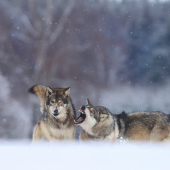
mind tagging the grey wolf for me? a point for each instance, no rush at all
(58, 113)
(99, 124)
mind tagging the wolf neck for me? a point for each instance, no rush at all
(111, 134)
(116, 129)
(121, 122)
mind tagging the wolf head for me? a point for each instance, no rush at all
(95, 120)
(54, 101)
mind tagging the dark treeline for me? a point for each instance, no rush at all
(88, 45)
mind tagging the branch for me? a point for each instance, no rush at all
(22, 37)
(48, 18)
(26, 22)
(62, 22)
(16, 12)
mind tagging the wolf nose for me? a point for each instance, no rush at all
(82, 108)
(56, 111)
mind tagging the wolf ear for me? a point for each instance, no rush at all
(103, 116)
(42, 92)
(88, 102)
(49, 90)
(67, 91)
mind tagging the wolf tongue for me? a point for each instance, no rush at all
(79, 119)
(81, 111)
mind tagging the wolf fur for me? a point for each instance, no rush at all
(101, 125)
(58, 113)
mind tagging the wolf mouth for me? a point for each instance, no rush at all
(81, 118)
(56, 114)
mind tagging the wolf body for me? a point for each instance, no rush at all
(99, 124)
(58, 114)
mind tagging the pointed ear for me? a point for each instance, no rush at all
(103, 116)
(42, 93)
(49, 91)
(88, 102)
(67, 91)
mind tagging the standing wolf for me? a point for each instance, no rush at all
(99, 124)
(58, 113)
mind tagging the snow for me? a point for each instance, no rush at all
(83, 156)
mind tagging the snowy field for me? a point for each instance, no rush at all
(84, 156)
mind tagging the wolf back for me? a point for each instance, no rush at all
(99, 123)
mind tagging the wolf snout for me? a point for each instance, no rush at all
(82, 108)
(56, 112)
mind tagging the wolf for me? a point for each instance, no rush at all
(99, 124)
(58, 114)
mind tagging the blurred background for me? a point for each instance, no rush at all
(116, 53)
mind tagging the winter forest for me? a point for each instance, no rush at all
(116, 53)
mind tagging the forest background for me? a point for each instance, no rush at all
(116, 53)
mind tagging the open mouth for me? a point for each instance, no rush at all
(81, 118)
(56, 114)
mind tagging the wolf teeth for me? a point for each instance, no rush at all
(81, 112)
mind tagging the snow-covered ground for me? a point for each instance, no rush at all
(84, 156)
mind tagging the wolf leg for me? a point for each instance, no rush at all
(167, 138)
(158, 134)
(72, 137)
(83, 136)
(37, 134)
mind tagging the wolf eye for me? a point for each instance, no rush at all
(91, 110)
(52, 101)
(59, 103)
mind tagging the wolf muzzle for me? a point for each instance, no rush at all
(82, 109)
(82, 116)
(56, 112)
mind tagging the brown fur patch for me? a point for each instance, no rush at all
(145, 126)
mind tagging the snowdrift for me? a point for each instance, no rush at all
(84, 156)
